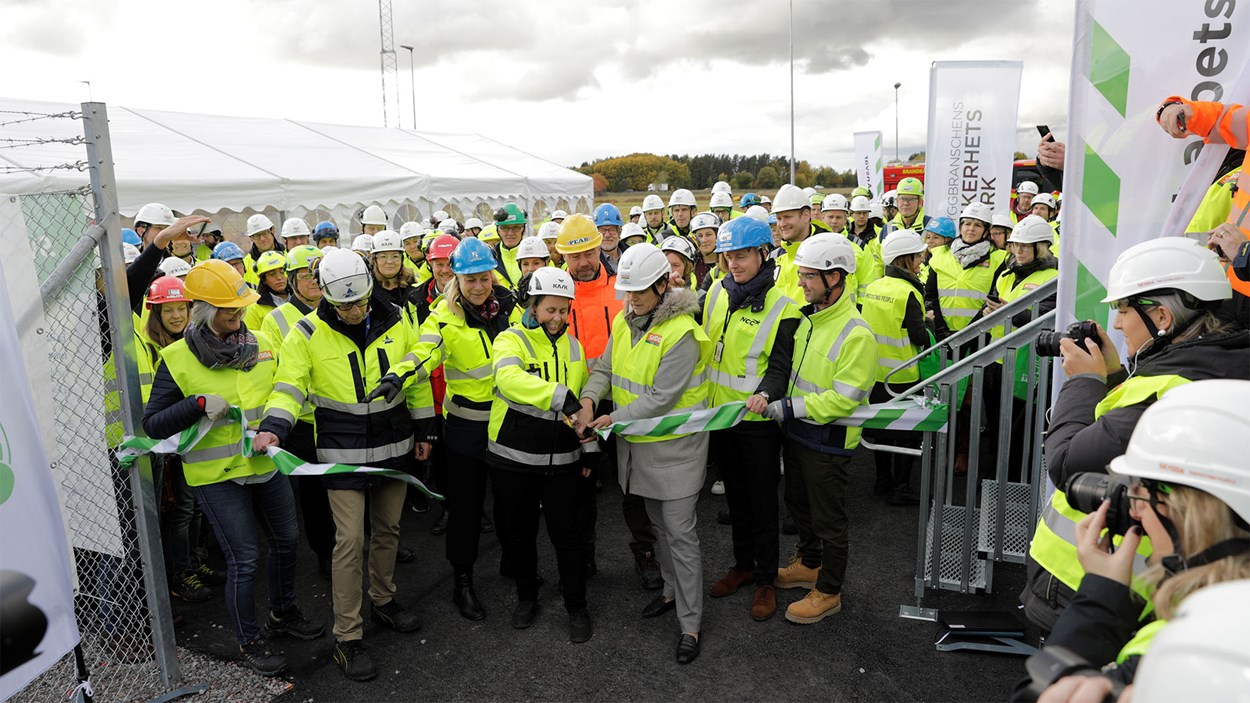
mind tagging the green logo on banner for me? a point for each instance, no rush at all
(1100, 189)
(876, 143)
(1089, 295)
(7, 478)
(1108, 69)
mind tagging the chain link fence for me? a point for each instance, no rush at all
(79, 397)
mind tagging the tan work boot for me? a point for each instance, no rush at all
(796, 575)
(814, 608)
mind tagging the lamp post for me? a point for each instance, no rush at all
(412, 79)
(896, 85)
(791, 92)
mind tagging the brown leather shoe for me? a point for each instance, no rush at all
(764, 605)
(730, 583)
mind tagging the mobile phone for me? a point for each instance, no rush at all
(1043, 130)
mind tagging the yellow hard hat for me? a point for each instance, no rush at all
(218, 284)
(489, 233)
(577, 233)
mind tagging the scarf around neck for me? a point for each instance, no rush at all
(236, 351)
(970, 254)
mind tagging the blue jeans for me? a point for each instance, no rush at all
(229, 509)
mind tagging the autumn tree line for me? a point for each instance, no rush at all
(759, 172)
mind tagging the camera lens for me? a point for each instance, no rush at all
(1048, 343)
(1087, 491)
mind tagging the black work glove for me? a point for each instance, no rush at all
(389, 387)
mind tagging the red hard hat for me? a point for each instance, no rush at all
(442, 247)
(166, 289)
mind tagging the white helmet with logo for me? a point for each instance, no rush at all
(860, 204)
(386, 240)
(173, 266)
(1166, 263)
(826, 251)
(373, 215)
(681, 196)
(363, 243)
(1032, 230)
(257, 224)
(549, 231)
(836, 201)
(557, 216)
(790, 197)
(344, 276)
(1027, 187)
(532, 248)
(550, 280)
(640, 267)
(680, 245)
(901, 243)
(978, 211)
(652, 202)
(475, 223)
(411, 229)
(155, 214)
(1002, 218)
(704, 220)
(721, 200)
(295, 227)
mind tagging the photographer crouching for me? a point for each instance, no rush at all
(1183, 482)
(1165, 294)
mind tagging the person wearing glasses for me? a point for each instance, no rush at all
(1164, 294)
(909, 201)
(354, 341)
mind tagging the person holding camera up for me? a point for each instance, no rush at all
(1191, 498)
(1164, 293)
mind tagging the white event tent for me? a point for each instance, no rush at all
(231, 167)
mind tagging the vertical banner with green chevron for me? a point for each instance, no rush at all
(870, 162)
(972, 135)
(1121, 172)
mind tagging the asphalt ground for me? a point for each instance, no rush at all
(865, 653)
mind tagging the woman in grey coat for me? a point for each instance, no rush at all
(654, 366)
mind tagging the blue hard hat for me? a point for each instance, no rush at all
(129, 236)
(941, 226)
(608, 214)
(748, 200)
(743, 233)
(227, 251)
(325, 228)
(472, 256)
(772, 219)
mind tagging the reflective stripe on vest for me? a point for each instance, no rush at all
(884, 307)
(741, 339)
(962, 291)
(634, 366)
(1137, 646)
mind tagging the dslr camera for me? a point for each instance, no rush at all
(1087, 491)
(1048, 342)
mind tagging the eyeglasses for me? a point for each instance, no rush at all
(810, 277)
(306, 276)
(907, 199)
(348, 307)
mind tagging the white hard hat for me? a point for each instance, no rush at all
(1027, 187)
(640, 266)
(532, 248)
(758, 212)
(1045, 199)
(790, 197)
(635, 210)
(681, 245)
(978, 211)
(1189, 438)
(386, 240)
(155, 214)
(681, 196)
(722, 187)
(373, 215)
(557, 216)
(826, 251)
(449, 226)
(888, 198)
(901, 243)
(1168, 263)
(173, 266)
(549, 230)
(257, 224)
(344, 277)
(295, 227)
(836, 201)
(704, 220)
(765, 200)
(550, 280)
(652, 202)
(411, 229)
(363, 242)
(1032, 230)
(475, 223)
(860, 204)
(439, 215)
(1002, 218)
(876, 210)
(808, 192)
(130, 252)
(632, 229)
(1203, 653)
(722, 199)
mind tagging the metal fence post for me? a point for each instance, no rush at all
(121, 331)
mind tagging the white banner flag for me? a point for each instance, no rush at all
(1121, 171)
(972, 135)
(869, 162)
(37, 624)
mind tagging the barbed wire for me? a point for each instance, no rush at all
(13, 143)
(75, 166)
(34, 116)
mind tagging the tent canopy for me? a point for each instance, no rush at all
(222, 165)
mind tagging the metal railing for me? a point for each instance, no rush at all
(962, 534)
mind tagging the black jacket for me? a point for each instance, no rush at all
(1076, 443)
(1047, 304)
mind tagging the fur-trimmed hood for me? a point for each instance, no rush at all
(676, 301)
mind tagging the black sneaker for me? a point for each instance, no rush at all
(649, 576)
(210, 576)
(354, 660)
(258, 655)
(190, 588)
(293, 623)
(580, 629)
(396, 617)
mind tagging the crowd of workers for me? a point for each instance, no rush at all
(486, 358)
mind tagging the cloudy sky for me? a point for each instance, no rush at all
(569, 80)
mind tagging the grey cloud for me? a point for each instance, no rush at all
(55, 27)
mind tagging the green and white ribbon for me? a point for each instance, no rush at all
(906, 414)
(132, 448)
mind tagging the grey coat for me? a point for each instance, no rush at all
(667, 470)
